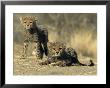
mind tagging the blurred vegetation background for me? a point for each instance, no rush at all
(77, 30)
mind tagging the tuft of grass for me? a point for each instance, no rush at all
(84, 43)
(53, 36)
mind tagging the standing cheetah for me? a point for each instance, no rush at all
(36, 34)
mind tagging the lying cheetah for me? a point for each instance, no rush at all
(36, 34)
(62, 56)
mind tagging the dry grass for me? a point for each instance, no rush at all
(84, 43)
(29, 66)
(53, 36)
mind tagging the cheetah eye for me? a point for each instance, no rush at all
(30, 21)
(53, 48)
(24, 21)
(60, 48)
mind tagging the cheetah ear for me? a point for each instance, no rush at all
(36, 19)
(21, 19)
(64, 45)
(50, 44)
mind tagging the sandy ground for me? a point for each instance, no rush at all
(30, 66)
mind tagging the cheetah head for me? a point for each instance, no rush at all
(56, 48)
(28, 22)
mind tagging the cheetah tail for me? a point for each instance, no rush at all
(91, 63)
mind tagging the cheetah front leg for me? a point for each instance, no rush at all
(60, 64)
(46, 62)
(45, 48)
(24, 53)
(39, 50)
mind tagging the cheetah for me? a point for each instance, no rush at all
(34, 33)
(62, 56)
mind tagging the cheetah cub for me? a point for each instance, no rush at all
(34, 33)
(62, 56)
